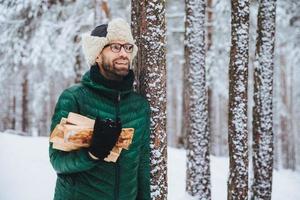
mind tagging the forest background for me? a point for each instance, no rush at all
(41, 55)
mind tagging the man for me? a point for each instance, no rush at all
(106, 95)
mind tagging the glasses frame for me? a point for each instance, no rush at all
(121, 46)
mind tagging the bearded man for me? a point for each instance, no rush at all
(105, 94)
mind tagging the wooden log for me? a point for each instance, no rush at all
(80, 120)
(76, 131)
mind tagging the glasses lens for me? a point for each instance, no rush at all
(128, 48)
(116, 47)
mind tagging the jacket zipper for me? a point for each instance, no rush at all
(117, 166)
(118, 105)
(117, 180)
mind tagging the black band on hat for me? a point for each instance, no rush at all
(100, 31)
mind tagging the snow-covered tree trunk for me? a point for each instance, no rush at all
(263, 138)
(148, 18)
(198, 162)
(237, 118)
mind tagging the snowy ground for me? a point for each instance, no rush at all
(26, 174)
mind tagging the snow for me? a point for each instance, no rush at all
(26, 173)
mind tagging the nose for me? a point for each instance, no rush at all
(123, 53)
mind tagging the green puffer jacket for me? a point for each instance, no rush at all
(81, 178)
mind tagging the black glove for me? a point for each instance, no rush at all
(105, 135)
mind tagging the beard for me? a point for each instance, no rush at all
(114, 70)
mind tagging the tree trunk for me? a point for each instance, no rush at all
(198, 165)
(237, 117)
(292, 136)
(185, 101)
(284, 131)
(25, 116)
(263, 137)
(209, 23)
(148, 20)
(13, 122)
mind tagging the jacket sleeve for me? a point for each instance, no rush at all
(144, 165)
(73, 161)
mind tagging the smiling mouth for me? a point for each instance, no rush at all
(120, 63)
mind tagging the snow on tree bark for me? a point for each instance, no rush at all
(237, 122)
(263, 138)
(149, 28)
(198, 163)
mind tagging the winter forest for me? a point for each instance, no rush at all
(221, 78)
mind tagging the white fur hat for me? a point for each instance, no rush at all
(93, 43)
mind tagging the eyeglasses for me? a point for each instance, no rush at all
(116, 47)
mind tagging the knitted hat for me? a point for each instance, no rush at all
(93, 43)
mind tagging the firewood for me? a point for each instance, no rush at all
(76, 131)
(77, 119)
(114, 155)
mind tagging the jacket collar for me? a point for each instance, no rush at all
(110, 88)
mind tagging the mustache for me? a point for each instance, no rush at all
(121, 58)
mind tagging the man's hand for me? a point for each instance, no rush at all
(105, 135)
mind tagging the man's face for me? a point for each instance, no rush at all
(114, 65)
